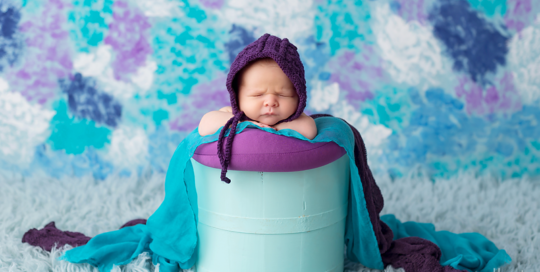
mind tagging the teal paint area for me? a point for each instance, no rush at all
(343, 24)
(31, 6)
(390, 107)
(170, 98)
(74, 135)
(491, 8)
(88, 22)
(193, 11)
(159, 116)
(188, 51)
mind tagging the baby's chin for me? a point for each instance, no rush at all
(270, 121)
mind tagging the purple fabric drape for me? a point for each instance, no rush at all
(49, 236)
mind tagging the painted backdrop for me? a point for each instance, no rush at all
(110, 88)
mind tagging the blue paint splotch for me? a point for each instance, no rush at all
(88, 22)
(475, 45)
(187, 51)
(162, 143)
(343, 24)
(314, 56)
(438, 128)
(128, 35)
(85, 101)
(11, 42)
(57, 163)
(444, 140)
(239, 37)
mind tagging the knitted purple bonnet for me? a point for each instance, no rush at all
(285, 55)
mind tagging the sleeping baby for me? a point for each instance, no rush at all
(267, 87)
(266, 96)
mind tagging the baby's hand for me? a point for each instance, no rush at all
(304, 125)
(261, 124)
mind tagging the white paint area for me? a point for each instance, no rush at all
(23, 126)
(327, 97)
(144, 77)
(412, 54)
(129, 148)
(323, 97)
(290, 19)
(373, 135)
(524, 60)
(159, 8)
(97, 65)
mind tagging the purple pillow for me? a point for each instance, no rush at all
(257, 150)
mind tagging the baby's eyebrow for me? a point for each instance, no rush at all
(287, 90)
(284, 90)
(256, 91)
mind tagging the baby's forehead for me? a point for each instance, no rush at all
(265, 62)
(250, 76)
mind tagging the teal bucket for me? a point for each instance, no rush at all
(272, 221)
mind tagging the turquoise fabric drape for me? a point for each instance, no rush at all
(470, 251)
(170, 234)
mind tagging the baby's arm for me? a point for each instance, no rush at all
(213, 120)
(304, 125)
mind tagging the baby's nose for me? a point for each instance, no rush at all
(271, 102)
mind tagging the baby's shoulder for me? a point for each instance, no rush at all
(226, 109)
(306, 118)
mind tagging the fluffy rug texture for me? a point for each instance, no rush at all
(506, 212)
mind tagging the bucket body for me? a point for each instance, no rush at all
(272, 221)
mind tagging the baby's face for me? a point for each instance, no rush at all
(265, 93)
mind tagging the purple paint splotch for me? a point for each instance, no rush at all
(500, 98)
(48, 54)
(356, 74)
(412, 10)
(212, 4)
(518, 14)
(204, 97)
(128, 35)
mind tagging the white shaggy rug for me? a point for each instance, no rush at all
(507, 213)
